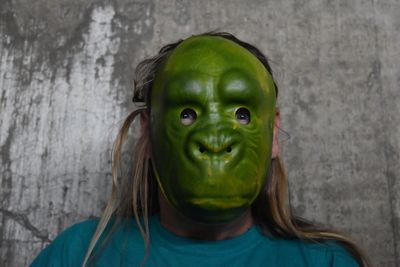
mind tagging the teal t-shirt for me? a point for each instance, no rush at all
(126, 248)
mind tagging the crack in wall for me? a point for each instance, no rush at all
(23, 220)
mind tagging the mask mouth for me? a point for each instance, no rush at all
(215, 208)
(218, 203)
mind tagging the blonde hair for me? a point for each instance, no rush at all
(136, 195)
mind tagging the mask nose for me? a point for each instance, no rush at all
(221, 143)
(219, 147)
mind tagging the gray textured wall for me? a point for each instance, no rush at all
(65, 85)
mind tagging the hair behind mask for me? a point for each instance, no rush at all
(136, 195)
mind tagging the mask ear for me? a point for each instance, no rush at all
(275, 143)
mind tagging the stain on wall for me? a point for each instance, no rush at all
(66, 70)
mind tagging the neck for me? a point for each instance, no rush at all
(183, 226)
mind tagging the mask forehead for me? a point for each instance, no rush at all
(213, 56)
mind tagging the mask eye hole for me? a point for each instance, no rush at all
(188, 116)
(243, 116)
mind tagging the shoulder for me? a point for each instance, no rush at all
(324, 253)
(82, 230)
(69, 247)
(332, 253)
(76, 236)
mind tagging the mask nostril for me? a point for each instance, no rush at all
(229, 149)
(202, 149)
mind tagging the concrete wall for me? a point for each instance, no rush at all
(65, 85)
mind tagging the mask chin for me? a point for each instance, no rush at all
(202, 210)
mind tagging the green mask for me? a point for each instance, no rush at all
(212, 118)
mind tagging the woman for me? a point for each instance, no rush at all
(207, 186)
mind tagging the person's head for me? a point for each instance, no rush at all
(208, 141)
